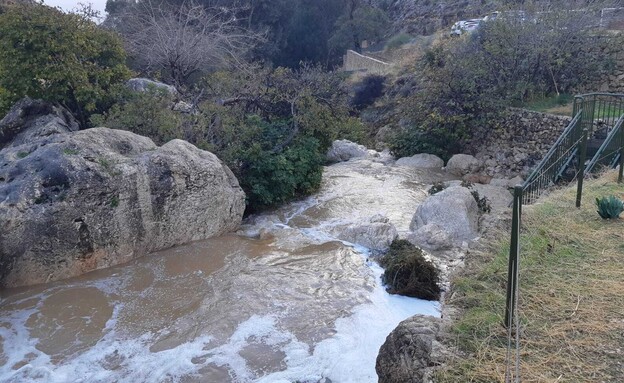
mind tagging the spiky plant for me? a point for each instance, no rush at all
(609, 207)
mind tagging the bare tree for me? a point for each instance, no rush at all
(180, 42)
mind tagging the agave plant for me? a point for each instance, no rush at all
(609, 207)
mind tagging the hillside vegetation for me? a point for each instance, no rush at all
(571, 295)
(254, 81)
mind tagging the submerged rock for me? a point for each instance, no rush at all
(77, 201)
(375, 235)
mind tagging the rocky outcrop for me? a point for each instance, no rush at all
(144, 84)
(344, 150)
(454, 209)
(71, 202)
(43, 118)
(421, 160)
(462, 164)
(411, 350)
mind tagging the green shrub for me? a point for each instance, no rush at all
(407, 272)
(609, 207)
(273, 178)
(59, 57)
(397, 41)
(145, 113)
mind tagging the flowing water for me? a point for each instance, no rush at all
(294, 304)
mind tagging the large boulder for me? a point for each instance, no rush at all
(421, 160)
(78, 201)
(344, 150)
(454, 209)
(462, 164)
(410, 351)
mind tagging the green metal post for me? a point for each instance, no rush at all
(514, 249)
(621, 154)
(581, 174)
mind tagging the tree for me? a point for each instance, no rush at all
(58, 57)
(179, 42)
(360, 22)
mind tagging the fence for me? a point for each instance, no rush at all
(611, 152)
(597, 116)
(551, 168)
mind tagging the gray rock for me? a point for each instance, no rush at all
(431, 237)
(379, 218)
(498, 197)
(462, 164)
(410, 351)
(517, 180)
(374, 235)
(144, 84)
(454, 209)
(421, 160)
(500, 182)
(78, 201)
(344, 150)
(31, 119)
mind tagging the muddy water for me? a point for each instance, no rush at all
(292, 305)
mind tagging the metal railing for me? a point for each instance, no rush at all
(610, 153)
(595, 115)
(550, 169)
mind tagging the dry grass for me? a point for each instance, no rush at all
(571, 296)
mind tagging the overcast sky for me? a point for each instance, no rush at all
(68, 5)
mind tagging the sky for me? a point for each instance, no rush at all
(68, 5)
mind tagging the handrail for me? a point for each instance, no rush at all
(549, 169)
(614, 135)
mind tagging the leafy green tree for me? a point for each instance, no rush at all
(58, 57)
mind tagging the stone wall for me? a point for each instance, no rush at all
(354, 61)
(607, 49)
(517, 142)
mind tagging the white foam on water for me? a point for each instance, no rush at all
(350, 354)
(113, 359)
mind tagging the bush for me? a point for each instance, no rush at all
(368, 90)
(407, 272)
(273, 178)
(609, 207)
(397, 41)
(145, 113)
(58, 57)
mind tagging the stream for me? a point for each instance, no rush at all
(281, 301)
